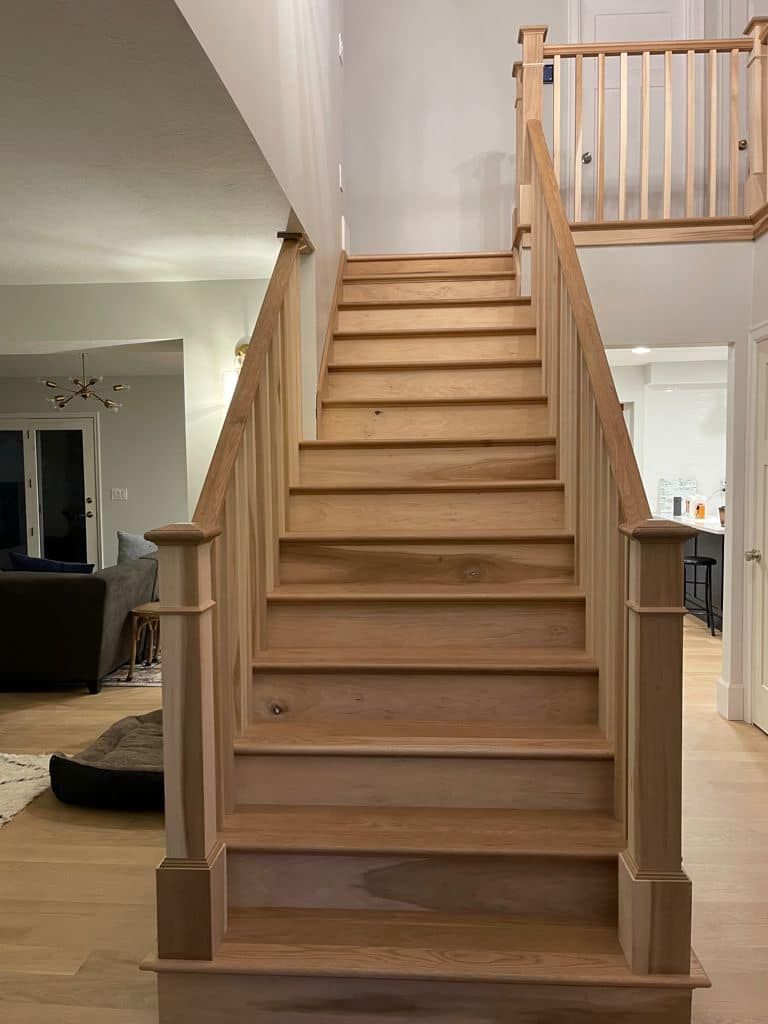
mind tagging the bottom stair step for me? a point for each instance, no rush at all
(324, 967)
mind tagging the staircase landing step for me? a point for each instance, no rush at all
(396, 738)
(431, 947)
(424, 830)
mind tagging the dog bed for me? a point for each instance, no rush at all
(121, 770)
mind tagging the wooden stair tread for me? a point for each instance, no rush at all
(516, 300)
(425, 442)
(424, 830)
(397, 333)
(435, 946)
(424, 739)
(529, 660)
(459, 364)
(433, 537)
(430, 275)
(455, 486)
(513, 592)
(350, 403)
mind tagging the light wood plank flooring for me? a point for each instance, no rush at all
(77, 886)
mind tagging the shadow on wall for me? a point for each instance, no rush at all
(486, 189)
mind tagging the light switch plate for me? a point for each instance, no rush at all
(119, 494)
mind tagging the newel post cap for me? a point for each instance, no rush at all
(757, 24)
(532, 29)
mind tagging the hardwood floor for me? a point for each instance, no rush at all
(725, 820)
(77, 886)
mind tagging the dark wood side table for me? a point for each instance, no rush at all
(145, 621)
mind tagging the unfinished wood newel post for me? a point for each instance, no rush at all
(654, 891)
(756, 189)
(531, 37)
(191, 881)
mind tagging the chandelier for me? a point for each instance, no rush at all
(82, 387)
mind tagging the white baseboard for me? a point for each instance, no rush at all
(730, 700)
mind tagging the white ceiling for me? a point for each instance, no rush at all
(148, 359)
(668, 354)
(123, 157)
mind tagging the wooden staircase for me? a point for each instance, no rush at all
(421, 800)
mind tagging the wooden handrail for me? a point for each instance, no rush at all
(634, 501)
(210, 505)
(652, 46)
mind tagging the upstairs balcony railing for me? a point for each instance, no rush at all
(648, 131)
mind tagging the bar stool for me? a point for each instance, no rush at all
(704, 562)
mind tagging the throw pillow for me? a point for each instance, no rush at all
(133, 545)
(26, 563)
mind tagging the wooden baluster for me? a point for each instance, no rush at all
(690, 137)
(578, 136)
(755, 191)
(191, 881)
(654, 891)
(713, 126)
(600, 147)
(623, 137)
(645, 134)
(733, 142)
(556, 115)
(667, 198)
(532, 39)
(290, 338)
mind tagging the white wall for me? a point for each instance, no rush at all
(429, 126)
(142, 449)
(279, 61)
(210, 317)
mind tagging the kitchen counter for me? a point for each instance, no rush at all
(708, 525)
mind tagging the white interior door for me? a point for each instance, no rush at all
(632, 21)
(60, 505)
(757, 556)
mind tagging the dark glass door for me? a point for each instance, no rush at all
(61, 495)
(13, 514)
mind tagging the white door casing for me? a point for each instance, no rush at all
(757, 539)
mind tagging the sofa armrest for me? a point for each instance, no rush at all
(126, 585)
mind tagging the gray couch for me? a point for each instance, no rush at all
(68, 629)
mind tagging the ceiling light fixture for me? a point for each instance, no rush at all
(82, 387)
(641, 350)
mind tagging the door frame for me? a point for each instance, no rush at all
(757, 342)
(91, 427)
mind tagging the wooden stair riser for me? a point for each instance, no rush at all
(428, 464)
(339, 512)
(451, 348)
(442, 420)
(446, 563)
(380, 320)
(312, 696)
(410, 464)
(430, 265)
(576, 784)
(566, 888)
(424, 384)
(499, 625)
(436, 289)
(206, 998)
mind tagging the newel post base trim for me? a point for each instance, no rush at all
(654, 920)
(192, 906)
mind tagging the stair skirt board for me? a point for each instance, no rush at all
(207, 998)
(310, 696)
(583, 889)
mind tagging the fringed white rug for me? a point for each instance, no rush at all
(22, 778)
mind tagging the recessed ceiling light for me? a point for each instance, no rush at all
(641, 350)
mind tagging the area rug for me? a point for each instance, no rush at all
(143, 675)
(22, 778)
